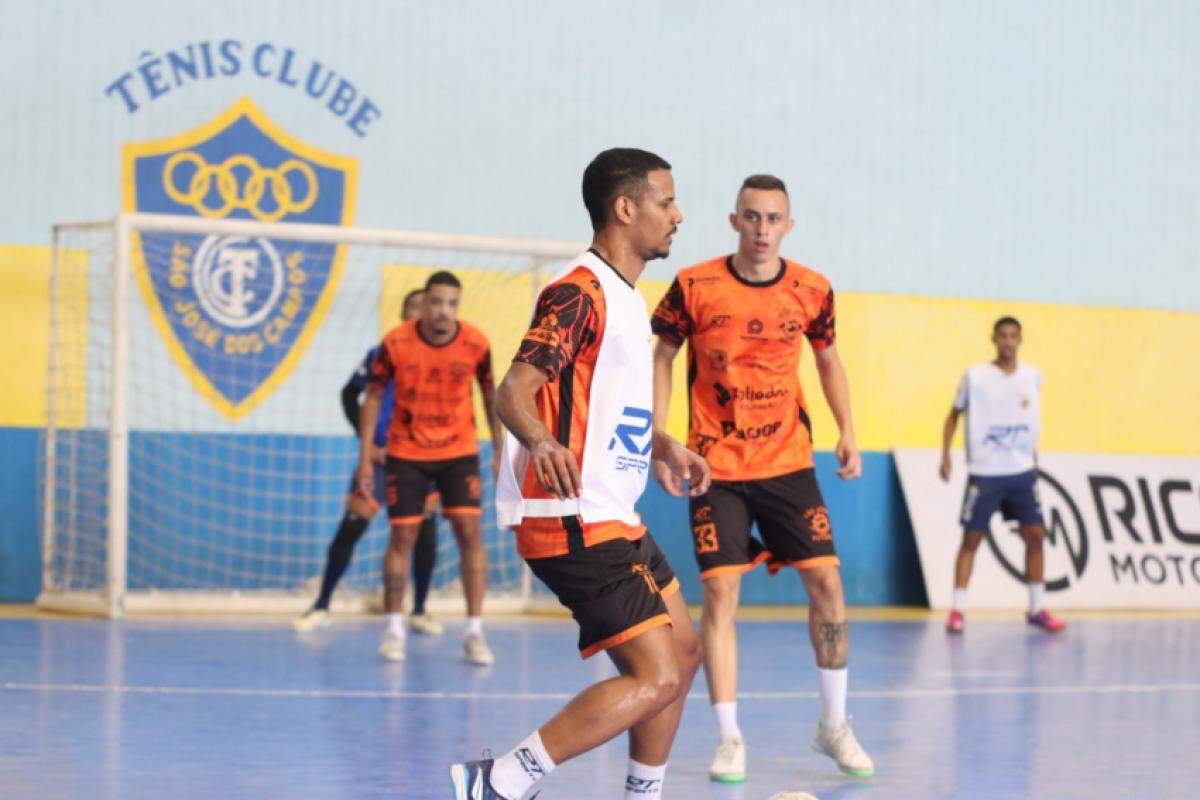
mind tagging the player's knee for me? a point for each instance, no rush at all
(824, 586)
(664, 685)
(691, 656)
(971, 541)
(721, 598)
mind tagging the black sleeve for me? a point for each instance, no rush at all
(350, 406)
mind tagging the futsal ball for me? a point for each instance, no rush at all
(792, 796)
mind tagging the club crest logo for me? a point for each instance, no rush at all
(237, 312)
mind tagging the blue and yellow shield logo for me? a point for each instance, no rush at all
(237, 312)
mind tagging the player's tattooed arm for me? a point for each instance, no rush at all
(831, 640)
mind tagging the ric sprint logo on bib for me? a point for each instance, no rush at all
(237, 311)
(628, 440)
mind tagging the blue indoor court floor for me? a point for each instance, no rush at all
(245, 709)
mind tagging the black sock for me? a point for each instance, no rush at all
(424, 559)
(341, 549)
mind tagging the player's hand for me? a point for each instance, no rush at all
(944, 470)
(365, 478)
(848, 456)
(378, 454)
(678, 467)
(666, 478)
(555, 468)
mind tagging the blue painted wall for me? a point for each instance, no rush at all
(176, 529)
(20, 551)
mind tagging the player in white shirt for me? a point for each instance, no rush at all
(1003, 407)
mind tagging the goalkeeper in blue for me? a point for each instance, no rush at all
(360, 509)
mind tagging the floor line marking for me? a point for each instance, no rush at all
(375, 694)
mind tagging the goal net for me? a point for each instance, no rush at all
(197, 458)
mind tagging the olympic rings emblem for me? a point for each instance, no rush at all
(232, 195)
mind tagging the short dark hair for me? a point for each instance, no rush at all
(616, 172)
(1006, 321)
(766, 182)
(442, 278)
(410, 296)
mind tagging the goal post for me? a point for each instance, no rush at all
(196, 456)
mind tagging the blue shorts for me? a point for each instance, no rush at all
(1014, 496)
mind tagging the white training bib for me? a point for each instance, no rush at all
(616, 454)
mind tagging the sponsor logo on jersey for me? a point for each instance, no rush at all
(237, 312)
(632, 439)
(748, 394)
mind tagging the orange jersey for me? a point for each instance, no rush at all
(748, 417)
(564, 342)
(432, 418)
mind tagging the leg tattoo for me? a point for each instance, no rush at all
(831, 642)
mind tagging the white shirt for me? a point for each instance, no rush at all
(616, 454)
(1004, 418)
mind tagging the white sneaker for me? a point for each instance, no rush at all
(475, 650)
(425, 624)
(312, 620)
(392, 647)
(841, 745)
(729, 764)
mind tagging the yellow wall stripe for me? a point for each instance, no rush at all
(1117, 380)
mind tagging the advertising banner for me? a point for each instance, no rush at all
(1123, 531)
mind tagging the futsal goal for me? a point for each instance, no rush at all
(196, 456)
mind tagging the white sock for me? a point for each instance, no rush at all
(474, 625)
(833, 696)
(395, 624)
(1037, 597)
(515, 772)
(644, 782)
(960, 600)
(727, 722)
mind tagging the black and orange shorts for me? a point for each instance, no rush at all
(409, 483)
(791, 518)
(616, 590)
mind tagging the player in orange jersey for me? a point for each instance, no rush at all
(577, 404)
(432, 362)
(745, 317)
(361, 509)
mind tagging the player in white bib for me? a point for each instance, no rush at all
(1002, 402)
(577, 405)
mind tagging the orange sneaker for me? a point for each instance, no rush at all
(1046, 621)
(955, 622)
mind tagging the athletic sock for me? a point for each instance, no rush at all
(727, 722)
(515, 772)
(960, 600)
(395, 625)
(644, 782)
(1037, 597)
(423, 560)
(341, 549)
(474, 626)
(833, 696)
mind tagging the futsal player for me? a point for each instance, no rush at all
(431, 361)
(1003, 405)
(360, 510)
(744, 317)
(576, 403)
